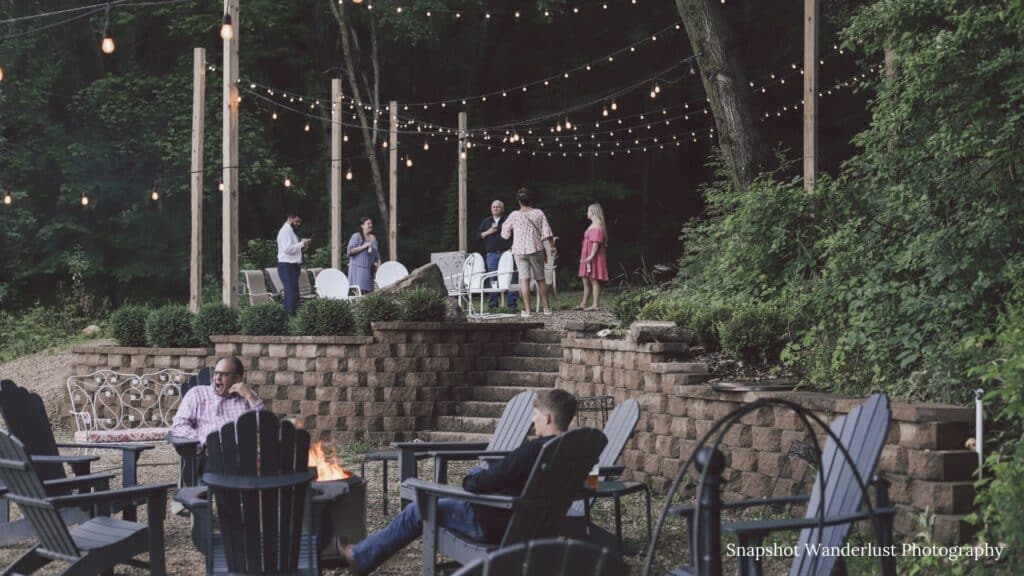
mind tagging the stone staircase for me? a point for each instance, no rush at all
(532, 363)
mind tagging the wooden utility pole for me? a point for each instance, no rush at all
(810, 94)
(195, 275)
(463, 160)
(393, 182)
(336, 116)
(229, 204)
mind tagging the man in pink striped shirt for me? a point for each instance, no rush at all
(206, 408)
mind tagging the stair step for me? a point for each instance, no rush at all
(473, 425)
(500, 394)
(537, 349)
(479, 409)
(542, 335)
(528, 364)
(522, 379)
(442, 436)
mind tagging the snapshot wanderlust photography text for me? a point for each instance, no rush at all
(864, 550)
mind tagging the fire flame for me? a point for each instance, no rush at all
(326, 468)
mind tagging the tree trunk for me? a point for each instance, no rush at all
(725, 83)
(357, 90)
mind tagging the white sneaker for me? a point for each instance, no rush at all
(547, 311)
(525, 314)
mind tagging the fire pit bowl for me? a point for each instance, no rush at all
(344, 517)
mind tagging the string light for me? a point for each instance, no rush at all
(307, 127)
(274, 115)
(154, 195)
(287, 182)
(227, 31)
(348, 175)
(107, 45)
(426, 145)
(1, 73)
(85, 199)
(408, 162)
(7, 198)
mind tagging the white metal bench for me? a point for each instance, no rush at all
(110, 406)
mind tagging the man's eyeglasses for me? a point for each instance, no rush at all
(223, 374)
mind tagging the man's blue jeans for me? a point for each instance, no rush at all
(492, 265)
(289, 273)
(408, 526)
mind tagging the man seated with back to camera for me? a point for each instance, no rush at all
(553, 411)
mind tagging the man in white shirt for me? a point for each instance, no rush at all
(289, 260)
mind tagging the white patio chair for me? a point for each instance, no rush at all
(389, 273)
(333, 284)
(450, 264)
(506, 270)
(469, 281)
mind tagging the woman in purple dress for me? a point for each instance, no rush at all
(363, 256)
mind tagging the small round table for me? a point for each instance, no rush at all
(616, 489)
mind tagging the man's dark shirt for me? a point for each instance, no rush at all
(507, 477)
(494, 242)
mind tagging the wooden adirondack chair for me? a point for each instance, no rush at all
(862, 432)
(548, 557)
(188, 456)
(508, 435)
(555, 481)
(25, 415)
(98, 544)
(257, 473)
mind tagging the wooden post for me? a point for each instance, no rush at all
(810, 94)
(336, 115)
(195, 276)
(229, 204)
(393, 182)
(463, 237)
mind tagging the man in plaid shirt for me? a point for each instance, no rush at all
(206, 408)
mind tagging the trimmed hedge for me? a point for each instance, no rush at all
(128, 325)
(323, 317)
(170, 326)
(375, 308)
(267, 319)
(423, 305)
(214, 318)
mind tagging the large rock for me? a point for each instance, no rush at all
(427, 276)
(658, 331)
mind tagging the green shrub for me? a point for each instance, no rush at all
(169, 326)
(375, 308)
(258, 253)
(36, 329)
(128, 325)
(753, 333)
(267, 319)
(667, 307)
(214, 318)
(630, 301)
(423, 305)
(323, 317)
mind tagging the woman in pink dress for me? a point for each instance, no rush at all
(593, 266)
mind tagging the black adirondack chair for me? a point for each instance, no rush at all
(98, 544)
(189, 459)
(258, 476)
(548, 557)
(509, 434)
(555, 481)
(862, 432)
(25, 416)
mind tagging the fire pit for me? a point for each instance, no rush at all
(344, 517)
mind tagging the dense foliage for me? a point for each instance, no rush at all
(375, 308)
(214, 318)
(891, 274)
(37, 328)
(169, 326)
(128, 325)
(323, 317)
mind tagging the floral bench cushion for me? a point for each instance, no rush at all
(116, 436)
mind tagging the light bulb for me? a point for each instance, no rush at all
(657, 89)
(155, 195)
(568, 125)
(344, 138)
(408, 162)
(273, 116)
(7, 198)
(462, 155)
(307, 127)
(348, 175)
(426, 145)
(220, 186)
(85, 200)
(604, 112)
(384, 144)
(1, 73)
(614, 105)
(287, 182)
(108, 45)
(653, 95)
(227, 31)
(357, 1)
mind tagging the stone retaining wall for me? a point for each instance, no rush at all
(924, 457)
(379, 388)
